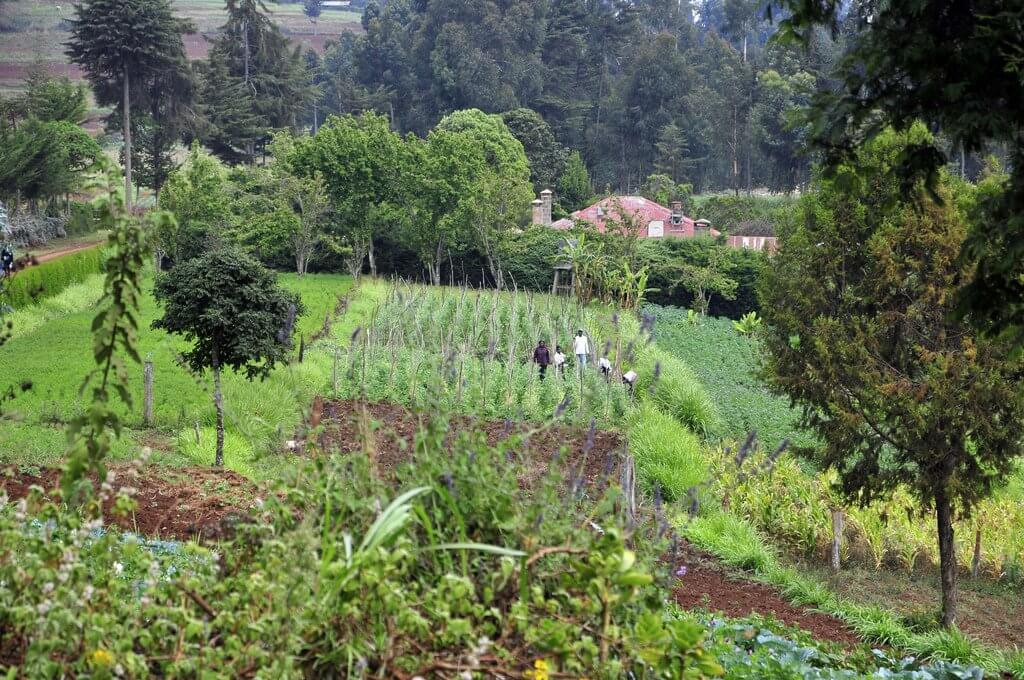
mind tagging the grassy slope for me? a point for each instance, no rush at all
(57, 354)
(726, 363)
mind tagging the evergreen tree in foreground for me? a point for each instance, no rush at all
(859, 306)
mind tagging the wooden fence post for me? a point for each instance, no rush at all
(147, 397)
(196, 428)
(837, 537)
(302, 347)
(628, 478)
(976, 562)
(334, 372)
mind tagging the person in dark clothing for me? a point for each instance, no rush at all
(542, 357)
(6, 261)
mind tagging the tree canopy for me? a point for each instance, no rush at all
(858, 304)
(231, 309)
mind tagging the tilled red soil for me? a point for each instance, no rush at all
(707, 584)
(593, 455)
(180, 503)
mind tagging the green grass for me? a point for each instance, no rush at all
(671, 384)
(57, 354)
(665, 452)
(726, 363)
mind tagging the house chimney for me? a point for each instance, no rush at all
(677, 207)
(545, 199)
(538, 211)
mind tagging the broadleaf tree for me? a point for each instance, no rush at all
(232, 310)
(858, 305)
(363, 164)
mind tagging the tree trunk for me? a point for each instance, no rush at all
(947, 554)
(218, 401)
(837, 537)
(127, 131)
(373, 260)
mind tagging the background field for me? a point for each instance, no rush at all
(31, 30)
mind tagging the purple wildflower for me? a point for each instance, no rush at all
(681, 571)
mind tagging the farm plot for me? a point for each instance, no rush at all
(470, 351)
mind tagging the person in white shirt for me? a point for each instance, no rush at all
(605, 366)
(559, 360)
(581, 348)
(629, 380)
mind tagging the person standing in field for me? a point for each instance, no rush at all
(581, 348)
(542, 357)
(559, 361)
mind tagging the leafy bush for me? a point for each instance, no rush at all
(665, 452)
(50, 278)
(748, 324)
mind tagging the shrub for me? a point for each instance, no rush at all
(665, 452)
(731, 539)
(50, 278)
(82, 219)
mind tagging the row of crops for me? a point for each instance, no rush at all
(471, 351)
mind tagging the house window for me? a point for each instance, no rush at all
(600, 211)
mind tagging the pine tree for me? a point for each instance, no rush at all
(119, 43)
(275, 82)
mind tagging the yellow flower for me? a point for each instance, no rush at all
(539, 672)
(101, 658)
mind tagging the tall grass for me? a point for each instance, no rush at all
(672, 385)
(665, 452)
(50, 278)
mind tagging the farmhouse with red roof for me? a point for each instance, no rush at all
(653, 219)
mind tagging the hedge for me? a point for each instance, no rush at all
(45, 280)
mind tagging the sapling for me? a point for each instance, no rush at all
(234, 312)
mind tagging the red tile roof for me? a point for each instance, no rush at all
(643, 210)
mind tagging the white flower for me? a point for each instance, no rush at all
(48, 588)
(118, 568)
(42, 608)
(87, 592)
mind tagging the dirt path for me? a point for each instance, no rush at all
(707, 584)
(67, 250)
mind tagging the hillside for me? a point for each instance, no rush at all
(33, 31)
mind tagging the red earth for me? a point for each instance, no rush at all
(185, 503)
